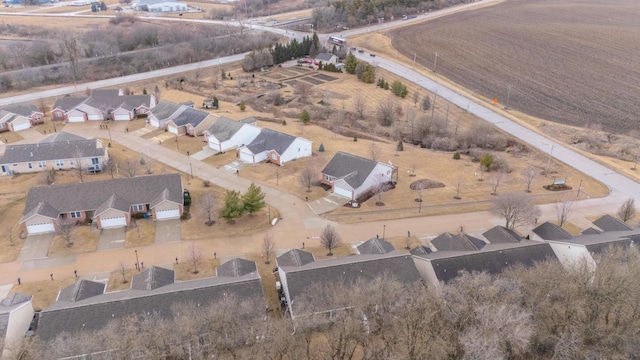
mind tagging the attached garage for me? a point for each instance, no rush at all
(342, 190)
(246, 156)
(96, 117)
(113, 222)
(21, 126)
(34, 229)
(154, 122)
(168, 214)
(121, 117)
(172, 129)
(76, 118)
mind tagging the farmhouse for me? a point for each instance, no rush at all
(16, 314)
(85, 307)
(108, 203)
(160, 6)
(226, 134)
(190, 121)
(17, 117)
(276, 147)
(102, 105)
(61, 151)
(352, 176)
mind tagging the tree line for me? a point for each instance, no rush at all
(542, 312)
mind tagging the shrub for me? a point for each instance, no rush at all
(206, 183)
(242, 106)
(305, 117)
(444, 144)
(398, 89)
(184, 216)
(284, 122)
(456, 155)
(355, 138)
(321, 148)
(486, 160)
(500, 164)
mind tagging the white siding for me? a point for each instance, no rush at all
(425, 269)
(572, 256)
(341, 187)
(245, 155)
(383, 170)
(299, 148)
(18, 325)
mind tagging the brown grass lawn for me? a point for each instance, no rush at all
(268, 282)
(115, 280)
(10, 214)
(220, 160)
(183, 143)
(9, 137)
(141, 234)
(44, 292)
(400, 242)
(184, 269)
(84, 240)
(57, 24)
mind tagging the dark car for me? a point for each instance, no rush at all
(361, 51)
(187, 197)
(372, 55)
(353, 49)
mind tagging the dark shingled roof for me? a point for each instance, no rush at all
(61, 137)
(68, 103)
(152, 278)
(598, 243)
(324, 57)
(189, 116)
(249, 120)
(223, 129)
(165, 109)
(295, 257)
(609, 223)
(236, 267)
(346, 271)
(269, 140)
(591, 231)
(82, 289)
(375, 246)
(457, 242)
(94, 313)
(500, 234)
(90, 195)
(421, 250)
(353, 169)
(549, 231)
(58, 150)
(24, 109)
(100, 99)
(447, 265)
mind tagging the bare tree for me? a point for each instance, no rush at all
(330, 239)
(207, 205)
(458, 184)
(627, 210)
(268, 246)
(360, 106)
(374, 151)
(78, 164)
(483, 169)
(72, 51)
(194, 256)
(386, 111)
(529, 175)
(563, 206)
(307, 177)
(123, 271)
(110, 167)
(419, 189)
(66, 226)
(303, 90)
(516, 208)
(131, 168)
(378, 188)
(410, 116)
(496, 178)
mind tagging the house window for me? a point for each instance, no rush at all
(71, 163)
(274, 156)
(75, 214)
(327, 177)
(95, 161)
(37, 117)
(15, 164)
(138, 208)
(42, 164)
(58, 114)
(142, 111)
(60, 163)
(30, 166)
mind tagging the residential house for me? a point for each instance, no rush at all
(226, 134)
(609, 223)
(84, 307)
(276, 147)
(326, 58)
(160, 114)
(61, 151)
(190, 121)
(108, 203)
(352, 176)
(101, 105)
(16, 314)
(301, 275)
(160, 6)
(17, 117)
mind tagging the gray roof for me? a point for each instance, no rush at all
(57, 150)
(152, 2)
(82, 289)
(108, 99)
(500, 234)
(457, 242)
(269, 140)
(421, 250)
(165, 109)
(189, 116)
(113, 202)
(248, 120)
(550, 231)
(90, 195)
(7, 305)
(598, 243)
(609, 223)
(236, 267)
(493, 260)
(223, 129)
(153, 278)
(347, 271)
(95, 312)
(61, 137)
(590, 231)
(324, 56)
(295, 257)
(68, 103)
(24, 109)
(375, 246)
(353, 169)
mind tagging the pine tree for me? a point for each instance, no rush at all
(350, 64)
(253, 199)
(305, 117)
(233, 206)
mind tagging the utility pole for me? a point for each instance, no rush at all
(414, 59)
(435, 62)
(508, 96)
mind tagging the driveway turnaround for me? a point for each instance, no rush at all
(167, 231)
(35, 247)
(112, 238)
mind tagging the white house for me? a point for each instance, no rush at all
(352, 176)
(326, 58)
(160, 6)
(226, 134)
(16, 314)
(276, 147)
(17, 117)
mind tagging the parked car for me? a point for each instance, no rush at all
(353, 49)
(361, 51)
(372, 55)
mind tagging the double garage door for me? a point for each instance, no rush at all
(342, 191)
(113, 222)
(21, 126)
(34, 229)
(168, 214)
(76, 118)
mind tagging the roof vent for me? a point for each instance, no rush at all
(31, 154)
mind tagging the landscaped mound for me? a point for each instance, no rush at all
(425, 184)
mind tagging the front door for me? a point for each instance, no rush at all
(5, 169)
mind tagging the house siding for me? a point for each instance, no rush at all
(385, 170)
(425, 269)
(19, 322)
(299, 148)
(111, 213)
(23, 167)
(38, 219)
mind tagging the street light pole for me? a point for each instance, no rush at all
(435, 62)
(579, 189)
(384, 229)
(137, 262)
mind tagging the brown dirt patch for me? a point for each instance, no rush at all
(83, 238)
(115, 280)
(44, 292)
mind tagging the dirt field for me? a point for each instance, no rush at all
(565, 61)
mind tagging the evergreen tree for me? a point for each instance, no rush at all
(369, 74)
(253, 199)
(233, 206)
(94, 8)
(350, 64)
(103, 6)
(360, 70)
(305, 117)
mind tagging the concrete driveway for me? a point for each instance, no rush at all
(234, 166)
(35, 247)
(112, 238)
(327, 203)
(167, 231)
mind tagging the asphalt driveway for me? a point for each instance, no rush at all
(35, 247)
(167, 231)
(112, 238)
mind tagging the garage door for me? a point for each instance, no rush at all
(113, 222)
(246, 157)
(167, 214)
(96, 117)
(77, 118)
(121, 117)
(341, 191)
(173, 130)
(154, 122)
(40, 228)
(22, 126)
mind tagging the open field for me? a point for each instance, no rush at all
(558, 60)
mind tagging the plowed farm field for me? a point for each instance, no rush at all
(573, 62)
